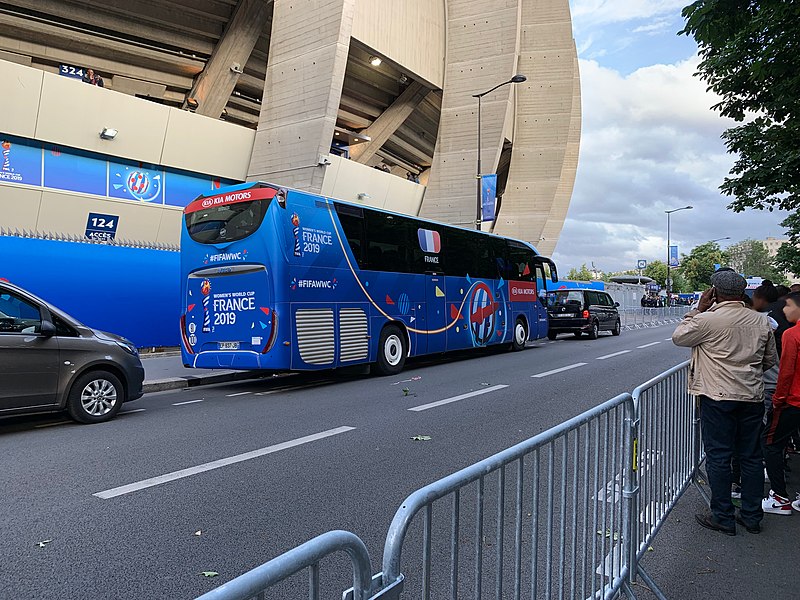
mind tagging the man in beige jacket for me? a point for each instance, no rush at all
(731, 346)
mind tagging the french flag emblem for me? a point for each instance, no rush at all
(429, 241)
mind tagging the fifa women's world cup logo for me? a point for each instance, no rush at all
(6, 155)
(296, 232)
(205, 289)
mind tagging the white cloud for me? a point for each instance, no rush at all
(650, 142)
(655, 27)
(587, 13)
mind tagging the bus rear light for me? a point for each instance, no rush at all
(586, 314)
(186, 344)
(273, 334)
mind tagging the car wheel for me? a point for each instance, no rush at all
(392, 350)
(520, 335)
(95, 397)
(617, 328)
(552, 335)
(594, 331)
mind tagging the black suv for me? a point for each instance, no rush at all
(582, 311)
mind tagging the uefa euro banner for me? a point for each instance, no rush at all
(134, 292)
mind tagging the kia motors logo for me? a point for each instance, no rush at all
(208, 203)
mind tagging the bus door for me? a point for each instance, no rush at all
(436, 312)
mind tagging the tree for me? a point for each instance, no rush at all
(750, 51)
(751, 259)
(698, 267)
(657, 270)
(582, 274)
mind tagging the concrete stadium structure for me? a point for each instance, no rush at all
(309, 93)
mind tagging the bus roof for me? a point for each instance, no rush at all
(251, 184)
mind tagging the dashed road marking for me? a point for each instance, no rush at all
(186, 402)
(217, 464)
(648, 345)
(620, 353)
(127, 412)
(561, 370)
(238, 394)
(422, 407)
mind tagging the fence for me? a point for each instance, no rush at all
(586, 500)
(639, 318)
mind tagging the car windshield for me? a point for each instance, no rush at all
(564, 298)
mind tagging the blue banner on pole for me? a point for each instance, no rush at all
(673, 257)
(488, 196)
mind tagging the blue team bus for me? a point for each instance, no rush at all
(280, 279)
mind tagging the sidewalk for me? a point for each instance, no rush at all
(688, 561)
(165, 371)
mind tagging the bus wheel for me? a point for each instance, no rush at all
(520, 335)
(392, 350)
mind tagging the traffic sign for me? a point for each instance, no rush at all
(642, 264)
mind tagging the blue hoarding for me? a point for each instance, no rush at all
(21, 160)
(135, 181)
(74, 171)
(140, 297)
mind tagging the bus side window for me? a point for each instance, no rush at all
(352, 221)
(388, 243)
(522, 262)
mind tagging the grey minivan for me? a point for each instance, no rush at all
(51, 362)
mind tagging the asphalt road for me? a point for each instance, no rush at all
(326, 452)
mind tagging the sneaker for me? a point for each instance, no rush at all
(736, 492)
(796, 503)
(777, 505)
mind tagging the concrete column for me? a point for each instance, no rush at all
(547, 133)
(482, 38)
(389, 121)
(308, 52)
(214, 85)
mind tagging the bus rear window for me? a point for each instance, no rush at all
(226, 223)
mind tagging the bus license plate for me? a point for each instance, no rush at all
(229, 345)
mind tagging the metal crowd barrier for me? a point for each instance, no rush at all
(640, 318)
(569, 513)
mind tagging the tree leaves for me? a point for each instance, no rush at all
(750, 52)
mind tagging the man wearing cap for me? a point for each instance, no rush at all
(731, 346)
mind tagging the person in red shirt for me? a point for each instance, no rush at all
(784, 417)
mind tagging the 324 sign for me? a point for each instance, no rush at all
(101, 227)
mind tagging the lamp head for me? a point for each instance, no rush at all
(518, 78)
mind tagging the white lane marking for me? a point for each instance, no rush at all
(422, 407)
(561, 370)
(621, 352)
(669, 339)
(186, 402)
(217, 464)
(238, 394)
(127, 412)
(292, 388)
(648, 345)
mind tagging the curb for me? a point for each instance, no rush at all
(190, 381)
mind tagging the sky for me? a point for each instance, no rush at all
(649, 142)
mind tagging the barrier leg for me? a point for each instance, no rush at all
(648, 581)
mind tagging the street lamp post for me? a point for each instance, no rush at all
(719, 239)
(668, 282)
(514, 79)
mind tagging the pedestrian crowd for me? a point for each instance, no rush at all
(745, 374)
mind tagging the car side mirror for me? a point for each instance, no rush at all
(47, 329)
(616, 304)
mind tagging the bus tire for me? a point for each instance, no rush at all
(392, 350)
(520, 335)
